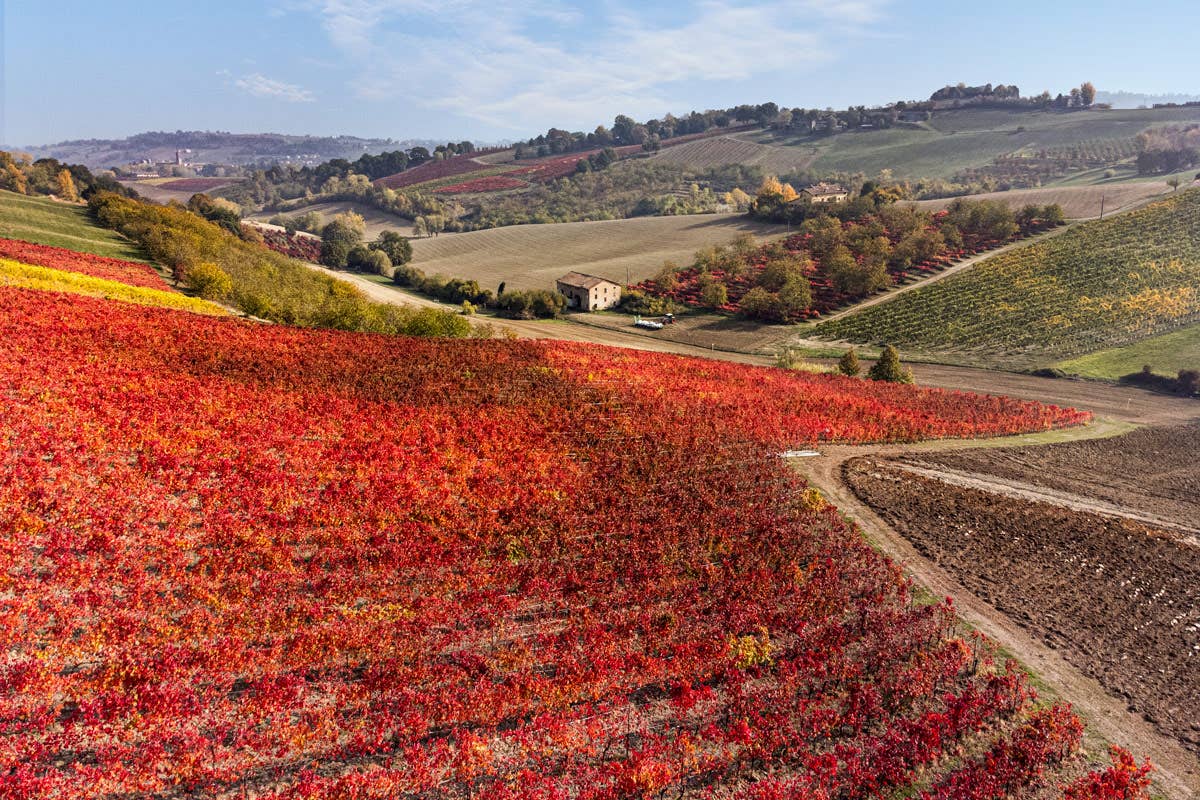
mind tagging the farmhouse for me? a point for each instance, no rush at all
(588, 292)
(825, 193)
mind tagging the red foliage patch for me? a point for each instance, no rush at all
(301, 246)
(113, 269)
(248, 559)
(432, 171)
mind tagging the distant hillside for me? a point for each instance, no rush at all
(1121, 99)
(214, 147)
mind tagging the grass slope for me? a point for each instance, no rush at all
(1166, 354)
(43, 221)
(1104, 284)
(534, 256)
(954, 140)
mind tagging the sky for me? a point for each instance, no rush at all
(491, 70)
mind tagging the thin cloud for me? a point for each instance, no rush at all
(260, 85)
(528, 64)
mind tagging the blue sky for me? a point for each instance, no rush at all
(491, 69)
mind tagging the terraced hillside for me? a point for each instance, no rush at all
(724, 150)
(1104, 284)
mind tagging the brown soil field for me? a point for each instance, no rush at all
(1151, 470)
(1119, 599)
(623, 250)
(1078, 202)
(719, 151)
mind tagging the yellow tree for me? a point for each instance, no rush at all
(789, 194)
(66, 187)
(15, 179)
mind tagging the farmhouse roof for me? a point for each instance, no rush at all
(582, 281)
(823, 189)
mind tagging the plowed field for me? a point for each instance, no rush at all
(1118, 598)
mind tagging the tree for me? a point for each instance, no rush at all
(1087, 93)
(66, 186)
(395, 245)
(714, 294)
(339, 239)
(888, 368)
(420, 227)
(848, 363)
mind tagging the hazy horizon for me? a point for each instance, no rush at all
(410, 69)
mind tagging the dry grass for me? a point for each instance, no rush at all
(377, 221)
(534, 256)
(719, 151)
(1078, 202)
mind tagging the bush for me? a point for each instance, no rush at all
(888, 368)
(848, 363)
(208, 280)
(531, 304)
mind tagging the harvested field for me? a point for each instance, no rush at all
(377, 221)
(717, 152)
(1078, 202)
(1119, 599)
(534, 256)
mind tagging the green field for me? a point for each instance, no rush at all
(1166, 355)
(1104, 284)
(955, 140)
(43, 221)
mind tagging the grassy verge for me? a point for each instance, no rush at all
(1166, 355)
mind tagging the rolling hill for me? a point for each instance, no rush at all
(1104, 284)
(950, 141)
(534, 256)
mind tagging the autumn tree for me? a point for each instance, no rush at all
(66, 186)
(1087, 93)
(713, 293)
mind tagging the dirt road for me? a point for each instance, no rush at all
(1177, 770)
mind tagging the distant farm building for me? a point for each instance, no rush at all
(588, 292)
(825, 193)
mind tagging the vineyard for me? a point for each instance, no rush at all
(246, 560)
(719, 151)
(1103, 284)
(492, 183)
(30, 276)
(57, 258)
(901, 255)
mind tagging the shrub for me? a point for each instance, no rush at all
(888, 368)
(848, 363)
(531, 304)
(208, 280)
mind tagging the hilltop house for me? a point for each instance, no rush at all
(825, 193)
(588, 292)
